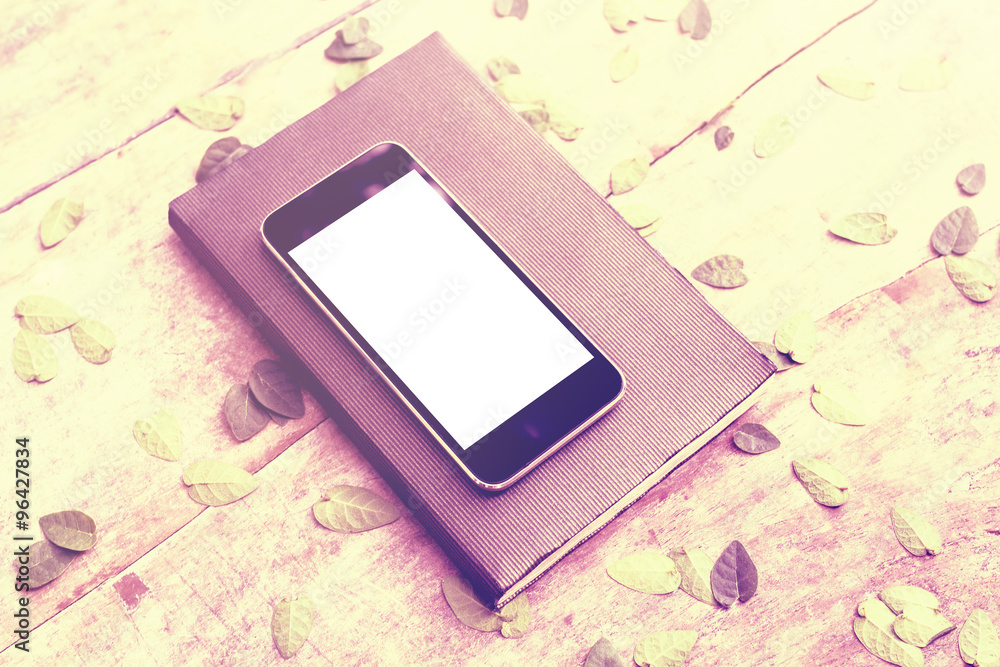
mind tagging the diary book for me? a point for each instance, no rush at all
(688, 372)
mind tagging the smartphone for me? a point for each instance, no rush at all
(497, 374)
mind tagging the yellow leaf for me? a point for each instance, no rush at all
(34, 358)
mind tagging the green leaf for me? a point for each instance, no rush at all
(695, 19)
(46, 561)
(665, 649)
(620, 14)
(849, 81)
(291, 623)
(864, 228)
(501, 66)
(897, 597)
(927, 73)
(350, 73)
(919, 625)
(916, 535)
(755, 439)
(565, 119)
(522, 89)
(695, 568)
(663, 10)
(603, 654)
(623, 64)
(796, 337)
(978, 642)
(93, 340)
(212, 112)
(874, 631)
(220, 155)
(339, 50)
(33, 357)
(972, 179)
(734, 575)
(775, 135)
(826, 484)
(723, 137)
(275, 390)
(515, 616)
(957, 233)
(780, 360)
(246, 417)
(518, 8)
(217, 482)
(640, 216)
(61, 218)
(629, 173)
(45, 315)
(70, 529)
(221, 494)
(160, 435)
(355, 29)
(467, 607)
(647, 572)
(725, 271)
(351, 509)
(972, 278)
(838, 403)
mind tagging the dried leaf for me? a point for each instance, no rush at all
(624, 63)
(780, 360)
(212, 112)
(245, 415)
(628, 174)
(849, 81)
(93, 340)
(355, 30)
(351, 509)
(522, 89)
(276, 390)
(734, 576)
(291, 623)
(695, 568)
(501, 66)
(774, 136)
(340, 50)
(515, 616)
(926, 74)
(919, 625)
(46, 561)
(45, 315)
(70, 529)
(621, 13)
(640, 216)
(874, 631)
(663, 10)
(957, 233)
(723, 137)
(536, 115)
(647, 572)
(603, 654)
(866, 228)
(280, 420)
(838, 403)
(972, 278)
(695, 19)
(897, 597)
(220, 155)
(467, 607)
(796, 337)
(217, 482)
(721, 271)
(916, 535)
(33, 357)
(61, 218)
(350, 73)
(665, 649)
(160, 435)
(565, 119)
(826, 484)
(972, 179)
(518, 8)
(978, 642)
(755, 439)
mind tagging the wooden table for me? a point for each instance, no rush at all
(87, 90)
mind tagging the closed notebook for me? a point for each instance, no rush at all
(689, 373)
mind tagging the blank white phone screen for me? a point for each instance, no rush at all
(467, 337)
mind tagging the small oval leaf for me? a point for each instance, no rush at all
(70, 529)
(501, 66)
(874, 631)
(33, 357)
(62, 217)
(245, 415)
(628, 174)
(160, 435)
(351, 509)
(723, 137)
(213, 112)
(978, 641)
(725, 271)
(275, 390)
(516, 8)
(914, 532)
(623, 64)
(734, 576)
(640, 216)
(565, 119)
(781, 361)
(620, 14)
(93, 340)
(222, 494)
(603, 654)
(44, 315)
(838, 403)
(340, 51)
(663, 649)
(354, 29)
(849, 81)
(291, 623)
(919, 626)
(695, 19)
(647, 572)
(972, 278)
(864, 228)
(515, 616)
(220, 155)
(755, 439)
(972, 179)
(796, 337)
(46, 561)
(826, 484)
(897, 597)
(957, 233)
(467, 607)
(695, 568)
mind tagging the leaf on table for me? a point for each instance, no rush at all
(522, 89)
(61, 218)
(160, 435)
(919, 626)
(291, 623)
(865, 228)
(70, 529)
(897, 597)
(33, 357)
(849, 81)
(957, 233)
(351, 509)
(725, 271)
(824, 483)
(640, 216)
(93, 340)
(536, 115)
(339, 50)
(837, 402)
(915, 533)
(972, 278)
(695, 19)
(213, 112)
(515, 616)
(44, 315)
(603, 654)
(467, 607)
(927, 73)
(245, 415)
(350, 73)
(734, 575)
(972, 179)
(518, 8)
(775, 135)
(629, 173)
(565, 119)
(217, 494)
(665, 649)
(755, 439)
(354, 30)
(723, 137)
(874, 630)
(501, 66)
(978, 642)
(620, 14)
(695, 568)
(217, 482)
(46, 561)
(780, 360)
(280, 420)
(220, 155)
(796, 337)
(275, 389)
(663, 10)
(647, 572)
(623, 64)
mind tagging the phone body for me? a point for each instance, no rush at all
(497, 374)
